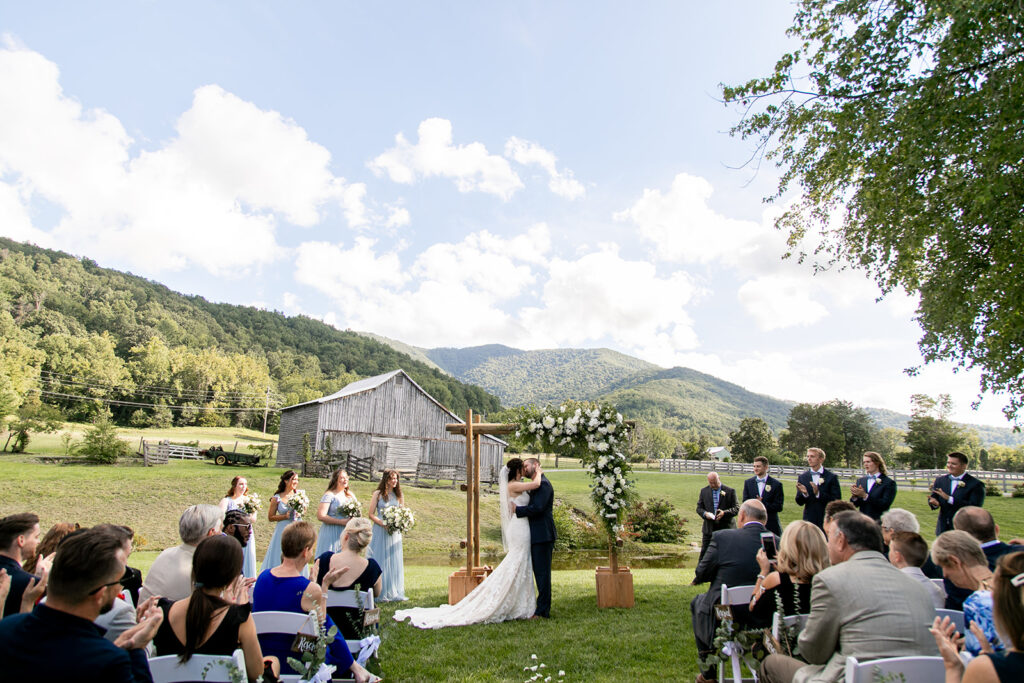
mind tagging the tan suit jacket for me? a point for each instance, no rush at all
(867, 608)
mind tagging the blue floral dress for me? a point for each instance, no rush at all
(249, 551)
(273, 557)
(978, 607)
(386, 549)
(329, 537)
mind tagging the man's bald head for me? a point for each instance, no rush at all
(752, 510)
(713, 480)
(977, 522)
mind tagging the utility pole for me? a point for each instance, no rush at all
(266, 409)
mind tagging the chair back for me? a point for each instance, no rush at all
(288, 623)
(956, 616)
(736, 595)
(350, 598)
(198, 669)
(792, 621)
(914, 669)
(940, 583)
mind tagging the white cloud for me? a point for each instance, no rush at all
(780, 301)
(15, 221)
(561, 183)
(471, 166)
(348, 274)
(398, 217)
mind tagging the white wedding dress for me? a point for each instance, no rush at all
(506, 594)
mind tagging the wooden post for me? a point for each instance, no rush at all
(469, 491)
(476, 495)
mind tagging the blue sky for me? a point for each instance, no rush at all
(563, 170)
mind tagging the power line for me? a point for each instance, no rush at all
(164, 392)
(115, 402)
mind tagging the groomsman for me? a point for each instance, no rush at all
(717, 506)
(954, 491)
(768, 490)
(816, 488)
(873, 493)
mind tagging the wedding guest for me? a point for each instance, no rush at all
(48, 544)
(58, 641)
(873, 493)
(717, 507)
(978, 522)
(238, 526)
(285, 589)
(833, 509)
(215, 618)
(964, 563)
(955, 490)
(236, 498)
(386, 547)
(359, 573)
(816, 487)
(1008, 613)
(898, 519)
(803, 552)
(907, 552)
(19, 536)
(279, 512)
(122, 615)
(768, 490)
(170, 576)
(329, 513)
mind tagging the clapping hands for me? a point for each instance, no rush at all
(149, 616)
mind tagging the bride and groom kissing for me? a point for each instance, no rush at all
(528, 534)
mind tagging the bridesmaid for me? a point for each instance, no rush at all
(329, 512)
(278, 511)
(233, 501)
(385, 547)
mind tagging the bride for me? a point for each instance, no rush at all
(508, 592)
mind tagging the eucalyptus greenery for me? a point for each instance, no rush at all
(744, 641)
(312, 661)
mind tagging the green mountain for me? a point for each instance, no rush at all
(87, 338)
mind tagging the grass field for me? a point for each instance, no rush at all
(652, 641)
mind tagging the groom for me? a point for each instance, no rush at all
(542, 535)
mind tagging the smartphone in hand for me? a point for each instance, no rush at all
(768, 543)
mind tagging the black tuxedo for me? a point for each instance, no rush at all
(879, 499)
(773, 500)
(970, 491)
(542, 540)
(828, 490)
(726, 504)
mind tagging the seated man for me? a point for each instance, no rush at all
(833, 509)
(978, 522)
(19, 536)
(730, 560)
(171, 574)
(907, 552)
(58, 641)
(860, 606)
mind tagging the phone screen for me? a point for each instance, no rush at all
(768, 543)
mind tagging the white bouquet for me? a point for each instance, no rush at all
(252, 504)
(299, 502)
(398, 518)
(350, 509)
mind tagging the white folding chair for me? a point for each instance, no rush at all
(198, 669)
(355, 600)
(914, 669)
(940, 583)
(956, 616)
(792, 621)
(288, 623)
(736, 595)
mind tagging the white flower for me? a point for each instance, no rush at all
(618, 417)
(561, 672)
(535, 656)
(617, 470)
(618, 490)
(549, 422)
(602, 447)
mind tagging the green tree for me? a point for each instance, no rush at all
(837, 427)
(648, 442)
(32, 417)
(902, 118)
(752, 438)
(101, 444)
(930, 434)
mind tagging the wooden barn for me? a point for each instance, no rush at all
(389, 418)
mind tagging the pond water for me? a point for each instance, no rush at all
(568, 559)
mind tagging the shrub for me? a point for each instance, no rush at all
(992, 489)
(1018, 491)
(574, 529)
(102, 445)
(655, 522)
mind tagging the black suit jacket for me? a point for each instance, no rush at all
(969, 492)
(879, 498)
(729, 560)
(828, 490)
(726, 504)
(20, 579)
(773, 499)
(538, 511)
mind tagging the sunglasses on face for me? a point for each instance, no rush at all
(121, 581)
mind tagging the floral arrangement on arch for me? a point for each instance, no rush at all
(594, 433)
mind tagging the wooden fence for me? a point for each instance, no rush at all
(159, 453)
(908, 479)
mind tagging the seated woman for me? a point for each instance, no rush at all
(803, 552)
(284, 589)
(349, 562)
(964, 564)
(205, 623)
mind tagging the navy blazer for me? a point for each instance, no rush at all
(828, 490)
(48, 644)
(773, 499)
(19, 582)
(879, 499)
(970, 491)
(538, 511)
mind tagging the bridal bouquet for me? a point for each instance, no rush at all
(299, 502)
(252, 504)
(350, 509)
(398, 518)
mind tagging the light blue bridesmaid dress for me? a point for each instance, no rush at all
(273, 557)
(249, 551)
(329, 537)
(386, 549)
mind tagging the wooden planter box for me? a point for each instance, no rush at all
(461, 583)
(614, 588)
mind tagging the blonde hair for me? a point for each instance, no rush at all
(817, 451)
(359, 530)
(877, 459)
(958, 544)
(803, 551)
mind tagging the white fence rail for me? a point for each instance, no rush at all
(911, 479)
(159, 453)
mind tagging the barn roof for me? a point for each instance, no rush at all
(371, 383)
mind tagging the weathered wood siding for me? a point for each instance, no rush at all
(294, 423)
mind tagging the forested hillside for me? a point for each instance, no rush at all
(85, 337)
